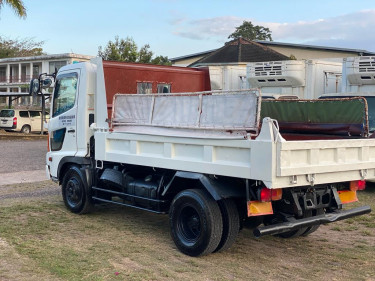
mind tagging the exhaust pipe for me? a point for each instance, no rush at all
(306, 222)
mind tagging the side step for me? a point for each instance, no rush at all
(123, 203)
(306, 222)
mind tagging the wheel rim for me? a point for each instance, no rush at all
(74, 193)
(188, 225)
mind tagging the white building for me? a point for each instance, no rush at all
(16, 73)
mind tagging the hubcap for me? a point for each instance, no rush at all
(74, 192)
(189, 224)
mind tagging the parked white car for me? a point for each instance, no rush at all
(21, 120)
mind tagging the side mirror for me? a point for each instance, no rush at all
(34, 87)
(46, 83)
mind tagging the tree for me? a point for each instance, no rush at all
(161, 60)
(16, 5)
(145, 55)
(251, 32)
(127, 50)
(10, 48)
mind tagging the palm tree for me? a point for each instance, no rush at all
(16, 5)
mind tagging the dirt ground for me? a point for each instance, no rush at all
(41, 240)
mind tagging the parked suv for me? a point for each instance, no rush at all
(21, 120)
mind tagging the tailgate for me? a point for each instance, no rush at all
(6, 122)
(324, 161)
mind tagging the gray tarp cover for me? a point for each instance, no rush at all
(224, 111)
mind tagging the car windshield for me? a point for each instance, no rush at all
(6, 113)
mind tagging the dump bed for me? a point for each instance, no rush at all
(319, 119)
(216, 133)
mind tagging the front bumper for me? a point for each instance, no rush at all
(311, 221)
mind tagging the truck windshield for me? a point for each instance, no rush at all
(64, 96)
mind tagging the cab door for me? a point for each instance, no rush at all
(63, 117)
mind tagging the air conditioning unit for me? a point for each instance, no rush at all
(276, 74)
(360, 70)
(307, 79)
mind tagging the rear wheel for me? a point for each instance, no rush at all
(74, 192)
(231, 224)
(314, 228)
(26, 129)
(196, 222)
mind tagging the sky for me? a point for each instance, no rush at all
(177, 28)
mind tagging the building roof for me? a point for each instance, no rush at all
(325, 48)
(241, 50)
(46, 57)
(359, 52)
(192, 55)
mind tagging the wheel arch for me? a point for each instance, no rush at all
(82, 164)
(215, 187)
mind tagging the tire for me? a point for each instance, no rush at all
(26, 129)
(231, 224)
(196, 222)
(314, 228)
(74, 192)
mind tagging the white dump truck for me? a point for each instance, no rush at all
(204, 158)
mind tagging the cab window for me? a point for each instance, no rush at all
(64, 96)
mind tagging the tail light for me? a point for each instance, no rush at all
(357, 185)
(15, 121)
(266, 194)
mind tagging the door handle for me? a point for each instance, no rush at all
(71, 131)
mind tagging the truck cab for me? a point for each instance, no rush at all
(69, 134)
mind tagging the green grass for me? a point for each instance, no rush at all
(49, 243)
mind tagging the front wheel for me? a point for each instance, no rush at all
(74, 192)
(196, 222)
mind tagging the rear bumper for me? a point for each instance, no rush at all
(306, 222)
(8, 127)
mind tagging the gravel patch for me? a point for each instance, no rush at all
(22, 155)
(22, 177)
(33, 194)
